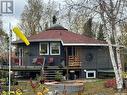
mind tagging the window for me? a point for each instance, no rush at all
(44, 48)
(55, 48)
(90, 74)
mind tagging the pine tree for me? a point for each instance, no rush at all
(88, 28)
(100, 35)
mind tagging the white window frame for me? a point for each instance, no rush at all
(87, 73)
(47, 48)
(51, 48)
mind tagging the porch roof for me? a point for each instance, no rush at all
(66, 37)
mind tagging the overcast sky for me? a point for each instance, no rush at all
(15, 18)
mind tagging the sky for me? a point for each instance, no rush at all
(14, 19)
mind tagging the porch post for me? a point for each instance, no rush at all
(67, 63)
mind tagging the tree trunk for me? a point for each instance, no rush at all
(117, 69)
(117, 50)
(119, 66)
(118, 58)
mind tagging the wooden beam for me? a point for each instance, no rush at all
(67, 63)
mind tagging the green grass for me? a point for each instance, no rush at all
(90, 88)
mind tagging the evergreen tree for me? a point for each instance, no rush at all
(46, 25)
(88, 28)
(100, 34)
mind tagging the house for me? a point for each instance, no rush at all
(61, 50)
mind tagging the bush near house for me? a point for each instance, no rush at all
(110, 83)
(124, 74)
(58, 76)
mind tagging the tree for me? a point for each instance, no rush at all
(50, 10)
(4, 41)
(123, 41)
(75, 17)
(88, 28)
(123, 37)
(100, 34)
(110, 10)
(110, 13)
(31, 17)
(37, 16)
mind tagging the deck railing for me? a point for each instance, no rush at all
(16, 68)
(5, 67)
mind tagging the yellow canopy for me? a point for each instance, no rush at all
(20, 34)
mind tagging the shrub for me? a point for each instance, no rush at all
(110, 83)
(41, 79)
(124, 75)
(58, 76)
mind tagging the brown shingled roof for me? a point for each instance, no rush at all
(66, 37)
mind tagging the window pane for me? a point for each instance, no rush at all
(55, 48)
(44, 48)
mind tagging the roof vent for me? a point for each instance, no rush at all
(57, 27)
(54, 19)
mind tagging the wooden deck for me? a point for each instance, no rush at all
(30, 68)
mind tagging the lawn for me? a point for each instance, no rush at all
(95, 87)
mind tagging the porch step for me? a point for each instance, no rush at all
(50, 74)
